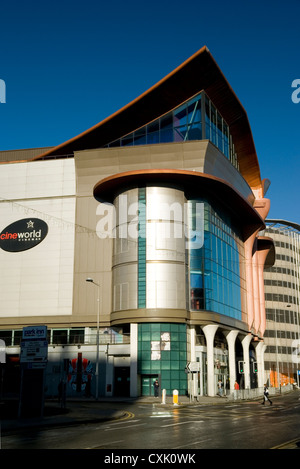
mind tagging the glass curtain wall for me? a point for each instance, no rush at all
(215, 275)
(196, 119)
(162, 354)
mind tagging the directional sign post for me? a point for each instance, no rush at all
(34, 351)
(192, 368)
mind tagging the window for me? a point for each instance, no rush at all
(162, 350)
(76, 336)
(214, 269)
(60, 336)
(186, 123)
(7, 336)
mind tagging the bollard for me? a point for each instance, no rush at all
(175, 397)
(163, 395)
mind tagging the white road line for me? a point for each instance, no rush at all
(241, 431)
(192, 443)
(182, 423)
(105, 444)
(122, 428)
(120, 423)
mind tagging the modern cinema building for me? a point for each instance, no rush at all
(159, 207)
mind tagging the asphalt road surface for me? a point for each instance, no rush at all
(235, 425)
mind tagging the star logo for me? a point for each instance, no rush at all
(30, 224)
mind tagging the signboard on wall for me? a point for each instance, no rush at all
(23, 234)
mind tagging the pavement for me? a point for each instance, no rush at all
(89, 410)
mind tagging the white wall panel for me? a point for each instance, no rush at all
(39, 281)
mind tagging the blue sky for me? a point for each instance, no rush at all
(69, 64)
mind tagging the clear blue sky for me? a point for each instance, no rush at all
(69, 64)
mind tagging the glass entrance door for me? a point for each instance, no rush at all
(147, 382)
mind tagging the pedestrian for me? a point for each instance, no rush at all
(156, 388)
(220, 387)
(266, 395)
(236, 389)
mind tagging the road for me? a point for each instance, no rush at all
(236, 425)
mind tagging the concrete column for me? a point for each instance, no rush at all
(109, 375)
(262, 255)
(192, 333)
(256, 290)
(245, 344)
(231, 337)
(133, 360)
(248, 245)
(260, 351)
(209, 332)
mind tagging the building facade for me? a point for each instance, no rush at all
(160, 207)
(282, 293)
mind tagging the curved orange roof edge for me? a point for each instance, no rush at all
(197, 73)
(106, 189)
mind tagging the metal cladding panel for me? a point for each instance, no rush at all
(165, 248)
(160, 248)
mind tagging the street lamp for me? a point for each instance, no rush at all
(97, 343)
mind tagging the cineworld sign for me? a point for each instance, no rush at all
(23, 234)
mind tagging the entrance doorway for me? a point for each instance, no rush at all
(147, 382)
(122, 381)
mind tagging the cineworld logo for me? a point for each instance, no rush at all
(23, 234)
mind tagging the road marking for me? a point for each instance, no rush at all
(161, 415)
(242, 431)
(121, 422)
(292, 444)
(105, 444)
(193, 443)
(181, 423)
(121, 428)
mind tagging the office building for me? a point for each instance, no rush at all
(159, 207)
(282, 293)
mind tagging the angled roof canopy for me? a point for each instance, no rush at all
(199, 72)
(192, 182)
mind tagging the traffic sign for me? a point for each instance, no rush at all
(193, 367)
(34, 351)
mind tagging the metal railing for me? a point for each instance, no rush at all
(80, 339)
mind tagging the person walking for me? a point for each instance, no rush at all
(156, 388)
(266, 395)
(220, 388)
(236, 389)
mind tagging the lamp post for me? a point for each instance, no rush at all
(97, 340)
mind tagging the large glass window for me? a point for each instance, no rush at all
(184, 123)
(142, 248)
(162, 352)
(214, 269)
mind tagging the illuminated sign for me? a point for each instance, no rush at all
(23, 234)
